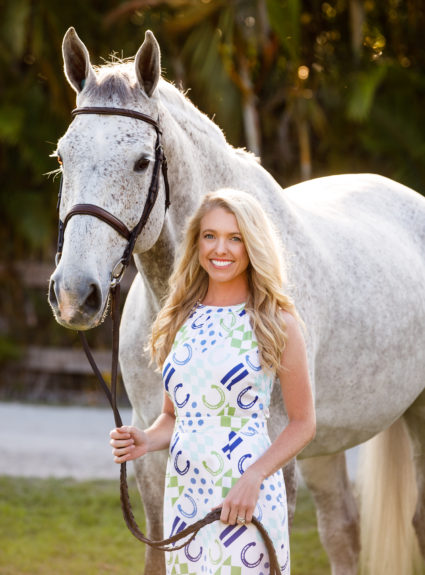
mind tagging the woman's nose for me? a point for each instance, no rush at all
(220, 247)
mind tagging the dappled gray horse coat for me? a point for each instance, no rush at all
(356, 268)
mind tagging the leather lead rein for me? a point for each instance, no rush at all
(188, 534)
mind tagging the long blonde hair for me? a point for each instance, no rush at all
(188, 283)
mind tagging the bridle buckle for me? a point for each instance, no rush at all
(118, 272)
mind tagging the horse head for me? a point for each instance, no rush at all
(107, 161)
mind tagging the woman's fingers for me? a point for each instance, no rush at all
(121, 442)
(123, 453)
(231, 514)
(248, 516)
(122, 458)
(128, 443)
(225, 510)
(120, 433)
(123, 450)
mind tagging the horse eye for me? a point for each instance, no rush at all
(141, 165)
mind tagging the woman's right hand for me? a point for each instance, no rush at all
(128, 443)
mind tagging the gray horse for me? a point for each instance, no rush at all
(356, 255)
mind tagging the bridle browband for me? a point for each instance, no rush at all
(102, 214)
(188, 534)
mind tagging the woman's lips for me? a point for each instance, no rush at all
(221, 263)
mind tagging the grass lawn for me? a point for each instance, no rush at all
(64, 527)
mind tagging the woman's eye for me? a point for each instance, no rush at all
(236, 239)
(208, 236)
(141, 165)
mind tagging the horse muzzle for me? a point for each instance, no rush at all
(78, 305)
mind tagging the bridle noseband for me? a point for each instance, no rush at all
(102, 214)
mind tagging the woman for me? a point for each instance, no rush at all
(226, 331)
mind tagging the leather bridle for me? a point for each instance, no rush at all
(189, 533)
(102, 214)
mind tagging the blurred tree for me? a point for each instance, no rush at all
(314, 87)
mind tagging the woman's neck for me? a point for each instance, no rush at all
(223, 294)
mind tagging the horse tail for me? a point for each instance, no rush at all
(388, 494)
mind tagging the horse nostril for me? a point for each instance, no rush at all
(94, 299)
(53, 300)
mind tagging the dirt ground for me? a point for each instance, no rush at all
(46, 441)
(50, 441)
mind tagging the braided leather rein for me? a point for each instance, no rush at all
(185, 536)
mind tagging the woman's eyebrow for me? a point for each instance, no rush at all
(212, 230)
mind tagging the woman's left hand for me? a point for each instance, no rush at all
(239, 504)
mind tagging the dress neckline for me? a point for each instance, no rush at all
(221, 306)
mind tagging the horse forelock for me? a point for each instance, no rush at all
(113, 81)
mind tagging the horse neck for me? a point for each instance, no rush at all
(155, 265)
(196, 149)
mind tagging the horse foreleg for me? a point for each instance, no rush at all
(150, 474)
(291, 484)
(337, 515)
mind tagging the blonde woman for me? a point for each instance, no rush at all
(226, 331)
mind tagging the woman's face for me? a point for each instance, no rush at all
(222, 252)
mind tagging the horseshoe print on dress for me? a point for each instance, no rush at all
(182, 403)
(246, 405)
(200, 321)
(228, 326)
(220, 464)
(188, 514)
(176, 467)
(245, 560)
(186, 359)
(249, 432)
(251, 365)
(220, 401)
(241, 462)
(192, 558)
(220, 556)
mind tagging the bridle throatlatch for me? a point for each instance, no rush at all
(188, 534)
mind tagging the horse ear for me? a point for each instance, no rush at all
(76, 60)
(148, 64)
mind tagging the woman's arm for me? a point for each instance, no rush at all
(130, 442)
(298, 398)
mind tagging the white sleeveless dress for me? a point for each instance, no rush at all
(221, 397)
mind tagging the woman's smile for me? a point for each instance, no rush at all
(221, 263)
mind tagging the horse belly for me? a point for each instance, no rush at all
(365, 314)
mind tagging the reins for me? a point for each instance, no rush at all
(186, 535)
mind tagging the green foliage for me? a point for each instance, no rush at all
(296, 60)
(9, 350)
(364, 85)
